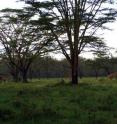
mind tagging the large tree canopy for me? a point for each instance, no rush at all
(73, 24)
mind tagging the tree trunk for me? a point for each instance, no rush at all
(74, 70)
(24, 70)
(24, 76)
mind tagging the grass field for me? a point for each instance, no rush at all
(50, 101)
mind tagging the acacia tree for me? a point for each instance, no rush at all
(22, 42)
(73, 24)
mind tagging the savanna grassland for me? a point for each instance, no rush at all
(54, 101)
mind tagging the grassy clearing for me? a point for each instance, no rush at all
(46, 101)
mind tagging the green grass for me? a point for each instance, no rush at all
(49, 101)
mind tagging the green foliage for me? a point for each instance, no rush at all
(46, 101)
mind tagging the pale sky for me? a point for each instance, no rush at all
(109, 36)
(10, 3)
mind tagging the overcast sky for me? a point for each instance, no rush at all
(10, 3)
(109, 36)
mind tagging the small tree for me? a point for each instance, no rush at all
(21, 40)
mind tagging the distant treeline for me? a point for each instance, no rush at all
(47, 67)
